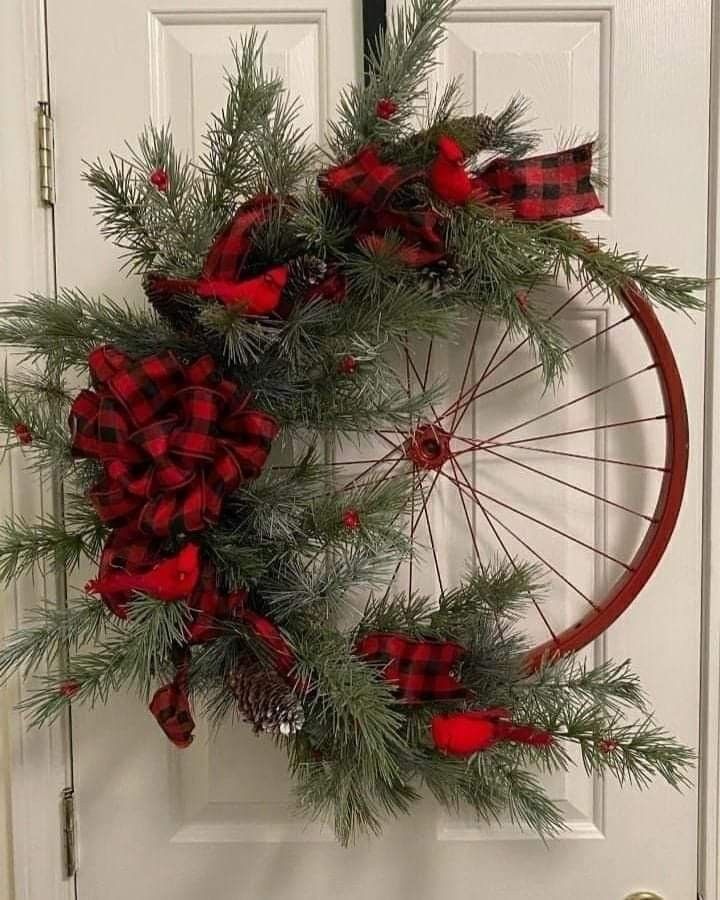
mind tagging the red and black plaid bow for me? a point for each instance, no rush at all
(421, 670)
(173, 440)
(551, 186)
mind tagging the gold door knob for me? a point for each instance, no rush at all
(644, 895)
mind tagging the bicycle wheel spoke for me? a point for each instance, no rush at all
(544, 437)
(432, 541)
(427, 363)
(585, 456)
(573, 487)
(538, 555)
(569, 403)
(537, 366)
(549, 318)
(413, 529)
(468, 363)
(489, 519)
(387, 440)
(552, 528)
(377, 462)
(471, 528)
(411, 365)
(489, 369)
(490, 361)
(388, 476)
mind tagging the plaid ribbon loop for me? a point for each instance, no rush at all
(171, 703)
(224, 276)
(550, 186)
(420, 670)
(173, 440)
(370, 185)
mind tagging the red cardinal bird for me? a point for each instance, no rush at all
(448, 177)
(464, 733)
(257, 296)
(172, 579)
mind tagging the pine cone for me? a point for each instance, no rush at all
(306, 271)
(265, 700)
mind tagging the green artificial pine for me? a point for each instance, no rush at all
(299, 551)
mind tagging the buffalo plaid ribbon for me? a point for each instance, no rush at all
(223, 272)
(551, 186)
(173, 440)
(370, 185)
(365, 181)
(226, 258)
(171, 706)
(421, 670)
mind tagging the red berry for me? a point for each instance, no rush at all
(608, 745)
(69, 688)
(348, 365)
(23, 433)
(351, 519)
(386, 108)
(159, 179)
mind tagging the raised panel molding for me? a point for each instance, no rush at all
(559, 58)
(188, 51)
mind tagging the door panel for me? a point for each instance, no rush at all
(214, 821)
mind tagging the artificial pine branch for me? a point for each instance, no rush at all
(48, 631)
(398, 65)
(130, 653)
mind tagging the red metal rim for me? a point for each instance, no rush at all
(669, 500)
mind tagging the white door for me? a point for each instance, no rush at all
(213, 822)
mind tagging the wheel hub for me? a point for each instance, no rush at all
(428, 447)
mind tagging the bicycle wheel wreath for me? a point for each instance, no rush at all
(292, 312)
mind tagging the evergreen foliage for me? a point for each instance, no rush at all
(361, 754)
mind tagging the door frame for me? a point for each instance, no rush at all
(39, 762)
(709, 738)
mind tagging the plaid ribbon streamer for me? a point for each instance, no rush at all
(173, 440)
(421, 670)
(221, 277)
(226, 258)
(171, 703)
(551, 186)
(171, 706)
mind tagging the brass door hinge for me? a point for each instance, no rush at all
(46, 153)
(69, 835)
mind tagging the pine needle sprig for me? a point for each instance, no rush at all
(226, 167)
(25, 546)
(48, 631)
(398, 65)
(130, 654)
(60, 331)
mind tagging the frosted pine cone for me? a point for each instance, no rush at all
(265, 700)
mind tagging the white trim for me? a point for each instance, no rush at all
(709, 743)
(38, 766)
